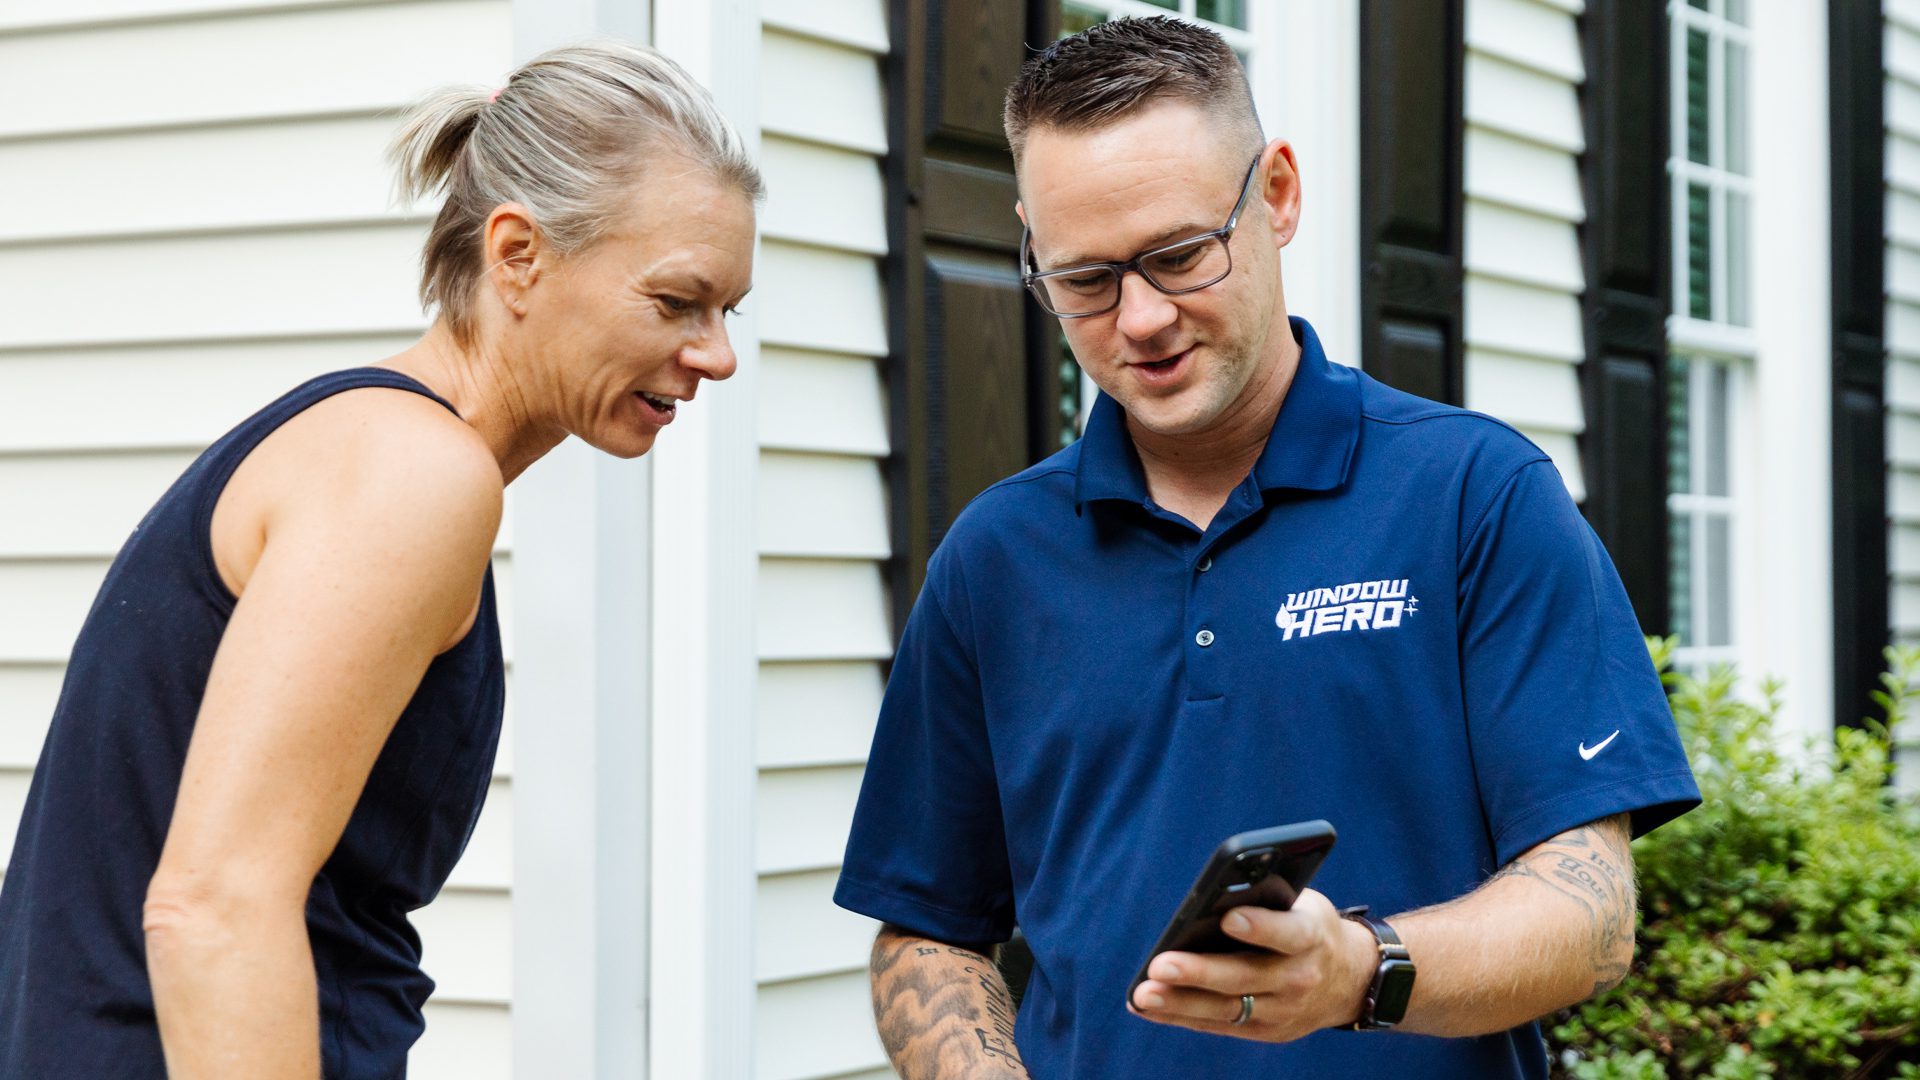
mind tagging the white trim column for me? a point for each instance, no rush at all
(1306, 85)
(1787, 588)
(580, 701)
(705, 564)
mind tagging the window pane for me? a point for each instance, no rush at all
(1075, 18)
(1699, 252)
(1737, 11)
(1736, 256)
(1680, 576)
(1736, 107)
(1701, 4)
(1697, 130)
(1715, 411)
(1170, 5)
(1719, 568)
(1225, 12)
(1068, 391)
(1679, 427)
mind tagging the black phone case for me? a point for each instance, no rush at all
(1222, 886)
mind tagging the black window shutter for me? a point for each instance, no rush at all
(1625, 245)
(961, 330)
(1412, 65)
(1860, 624)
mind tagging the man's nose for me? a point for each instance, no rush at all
(1144, 310)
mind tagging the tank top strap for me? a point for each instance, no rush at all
(217, 465)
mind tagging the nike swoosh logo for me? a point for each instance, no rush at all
(1587, 755)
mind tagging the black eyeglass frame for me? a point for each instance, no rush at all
(1032, 278)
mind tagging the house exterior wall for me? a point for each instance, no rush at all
(204, 224)
(824, 629)
(1524, 338)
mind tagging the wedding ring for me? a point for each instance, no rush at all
(1246, 1010)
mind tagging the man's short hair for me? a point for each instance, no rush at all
(1112, 70)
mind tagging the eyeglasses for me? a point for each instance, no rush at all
(1182, 267)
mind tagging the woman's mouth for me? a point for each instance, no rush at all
(661, 409)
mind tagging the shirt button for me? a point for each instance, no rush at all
(1203, 639)
(1206, 564)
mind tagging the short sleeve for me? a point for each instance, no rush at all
(928, 849)
(1566, 715)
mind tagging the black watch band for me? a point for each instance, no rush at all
(1392, 985)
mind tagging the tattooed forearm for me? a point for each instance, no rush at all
(1591, 867)
(944, 1012)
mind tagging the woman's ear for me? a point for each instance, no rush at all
(513, 246)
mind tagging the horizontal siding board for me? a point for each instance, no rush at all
(824, 196)
(80, 504)
(1903, 385)
(464, 1041)
(207, 388)
(19, 15)
(860, 24)
(330, 280)
(1565, 452)
(822, 609)
(803, 933)
(1529, 33)
(1523, 247)
(487, 862)
(815, 1028)
(1523, 103)
(844, 102)
(821, 402)
(14, 784)
(1525, 391)
(801, 817)
(820, 299)
(1523, 175)
(821, 505)
(28, 695)
(1509, 317)
(1903, 218)
(466, 945)
(818, 713)
(1903, 161)
(1903, 48)
(241, 176)
(288, 63)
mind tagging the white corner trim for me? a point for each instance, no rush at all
(705, 565)
(1306, 86)
(1785, 593)
(580, 700)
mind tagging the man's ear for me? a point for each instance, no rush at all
(514, 248)
(1020, 211)
(1281, 192)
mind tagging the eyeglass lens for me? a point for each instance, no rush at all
(1183, 267)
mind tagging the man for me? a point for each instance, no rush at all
(1263, 588)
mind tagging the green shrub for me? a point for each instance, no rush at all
(1780, 921)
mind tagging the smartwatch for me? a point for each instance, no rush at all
(1392, 985)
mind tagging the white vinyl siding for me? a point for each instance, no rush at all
(1903, 339)
(824, 628)
(211, 225)
(1524, 207)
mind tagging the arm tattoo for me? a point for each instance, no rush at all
(942, 1011)
(1591, 867)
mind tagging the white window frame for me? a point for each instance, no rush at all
(1716, 339)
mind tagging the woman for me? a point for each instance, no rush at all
(280, 717)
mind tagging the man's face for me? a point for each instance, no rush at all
(1177, 364)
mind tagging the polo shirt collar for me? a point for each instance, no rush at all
(1310, 449)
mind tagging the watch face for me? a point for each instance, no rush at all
(1396, 989)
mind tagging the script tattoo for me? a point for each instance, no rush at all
(1590, 866)
(1000, 1013)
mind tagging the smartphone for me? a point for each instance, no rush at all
(1265, 868)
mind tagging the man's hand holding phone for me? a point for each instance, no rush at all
(1305, 969)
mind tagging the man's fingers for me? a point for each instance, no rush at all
(1291, 932)
(1227, 973)
(1180, 1005)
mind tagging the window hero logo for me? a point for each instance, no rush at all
(1357, 605)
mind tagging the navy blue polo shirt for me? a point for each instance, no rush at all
(1398, 622)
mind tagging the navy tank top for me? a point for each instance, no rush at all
(74, 996)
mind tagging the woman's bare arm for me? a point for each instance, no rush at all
(943, 1010)
(371, 563)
